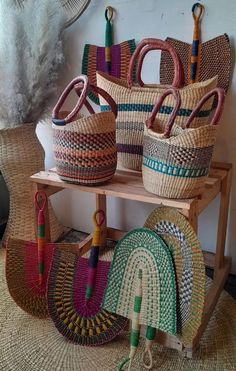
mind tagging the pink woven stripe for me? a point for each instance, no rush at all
(31, 267)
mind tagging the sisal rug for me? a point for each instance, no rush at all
(29, 344)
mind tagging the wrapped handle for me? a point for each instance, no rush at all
(154, 44)
(82, 88)
(82, 81)
(219, 92)
(173, 114)
(101, 92)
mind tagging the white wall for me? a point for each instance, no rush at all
(138, 19)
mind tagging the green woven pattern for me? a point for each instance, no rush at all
(143, 249)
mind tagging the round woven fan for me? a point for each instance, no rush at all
(176, 231)
(141, 286)
(22, 275)
(75, 291)
(72, 8)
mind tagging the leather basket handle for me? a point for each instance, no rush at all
(154, 44)
(220, 94)
(82, 88)
(157, 106)
(101, 92)
(82, 81)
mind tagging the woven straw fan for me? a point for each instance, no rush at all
(75, 291)
(72, 8)
(201, 61)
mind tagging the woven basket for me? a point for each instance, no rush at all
(135, 102)
(84, 147)
(186, 251)
(23, 277)
(176, 161)
(21, 155)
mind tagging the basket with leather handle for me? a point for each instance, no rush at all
(84, 147)
(136, 101)
(176, 160)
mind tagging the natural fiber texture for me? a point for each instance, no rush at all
(80, 321)
(142, 249)
(214, 59)
(185, 248)
(21, 155)
(73, 9)
(176, 161)
(134, 106)
(177, 167)
(23, 277)
(85, 149)
(38, 346)
(94, 60)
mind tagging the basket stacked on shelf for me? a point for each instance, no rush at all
(84, 147)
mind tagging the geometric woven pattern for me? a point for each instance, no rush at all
(185, 248)
(23, 277)
(142, 249)
(94, 60)
(81, 322)
(214, 60)
(134, 105)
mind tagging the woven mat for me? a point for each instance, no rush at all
(29, 344)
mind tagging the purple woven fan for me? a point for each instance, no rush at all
(75, 292)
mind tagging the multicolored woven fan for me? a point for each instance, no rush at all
(141, 286)
(113, 59)
(185, 248)
(27, 266)
(201, 61)
(75, 291)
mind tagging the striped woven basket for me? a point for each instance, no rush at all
(176, 161)
(136, 101)
(84, 147)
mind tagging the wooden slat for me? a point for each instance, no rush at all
(125, 184)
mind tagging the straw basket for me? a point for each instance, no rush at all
(135, 102)
(84, 147)
(176, 161)
(21, 155)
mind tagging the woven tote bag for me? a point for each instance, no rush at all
(84, 147)
(135, 102)
(176, 160)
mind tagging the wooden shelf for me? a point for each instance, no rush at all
(128, 185)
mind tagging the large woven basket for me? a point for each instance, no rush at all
(84, 147)
(22, 155)
(176, 160)
(135, 102)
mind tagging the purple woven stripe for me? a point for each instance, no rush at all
(94, 306)
(115, 60)
(130, 148)
(101, 65)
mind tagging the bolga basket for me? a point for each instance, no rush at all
(135, 102)
(84, 147)
(176, 160)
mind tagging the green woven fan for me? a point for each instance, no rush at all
(141, 286)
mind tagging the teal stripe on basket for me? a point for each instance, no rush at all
(163, 168)
(136, 107)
